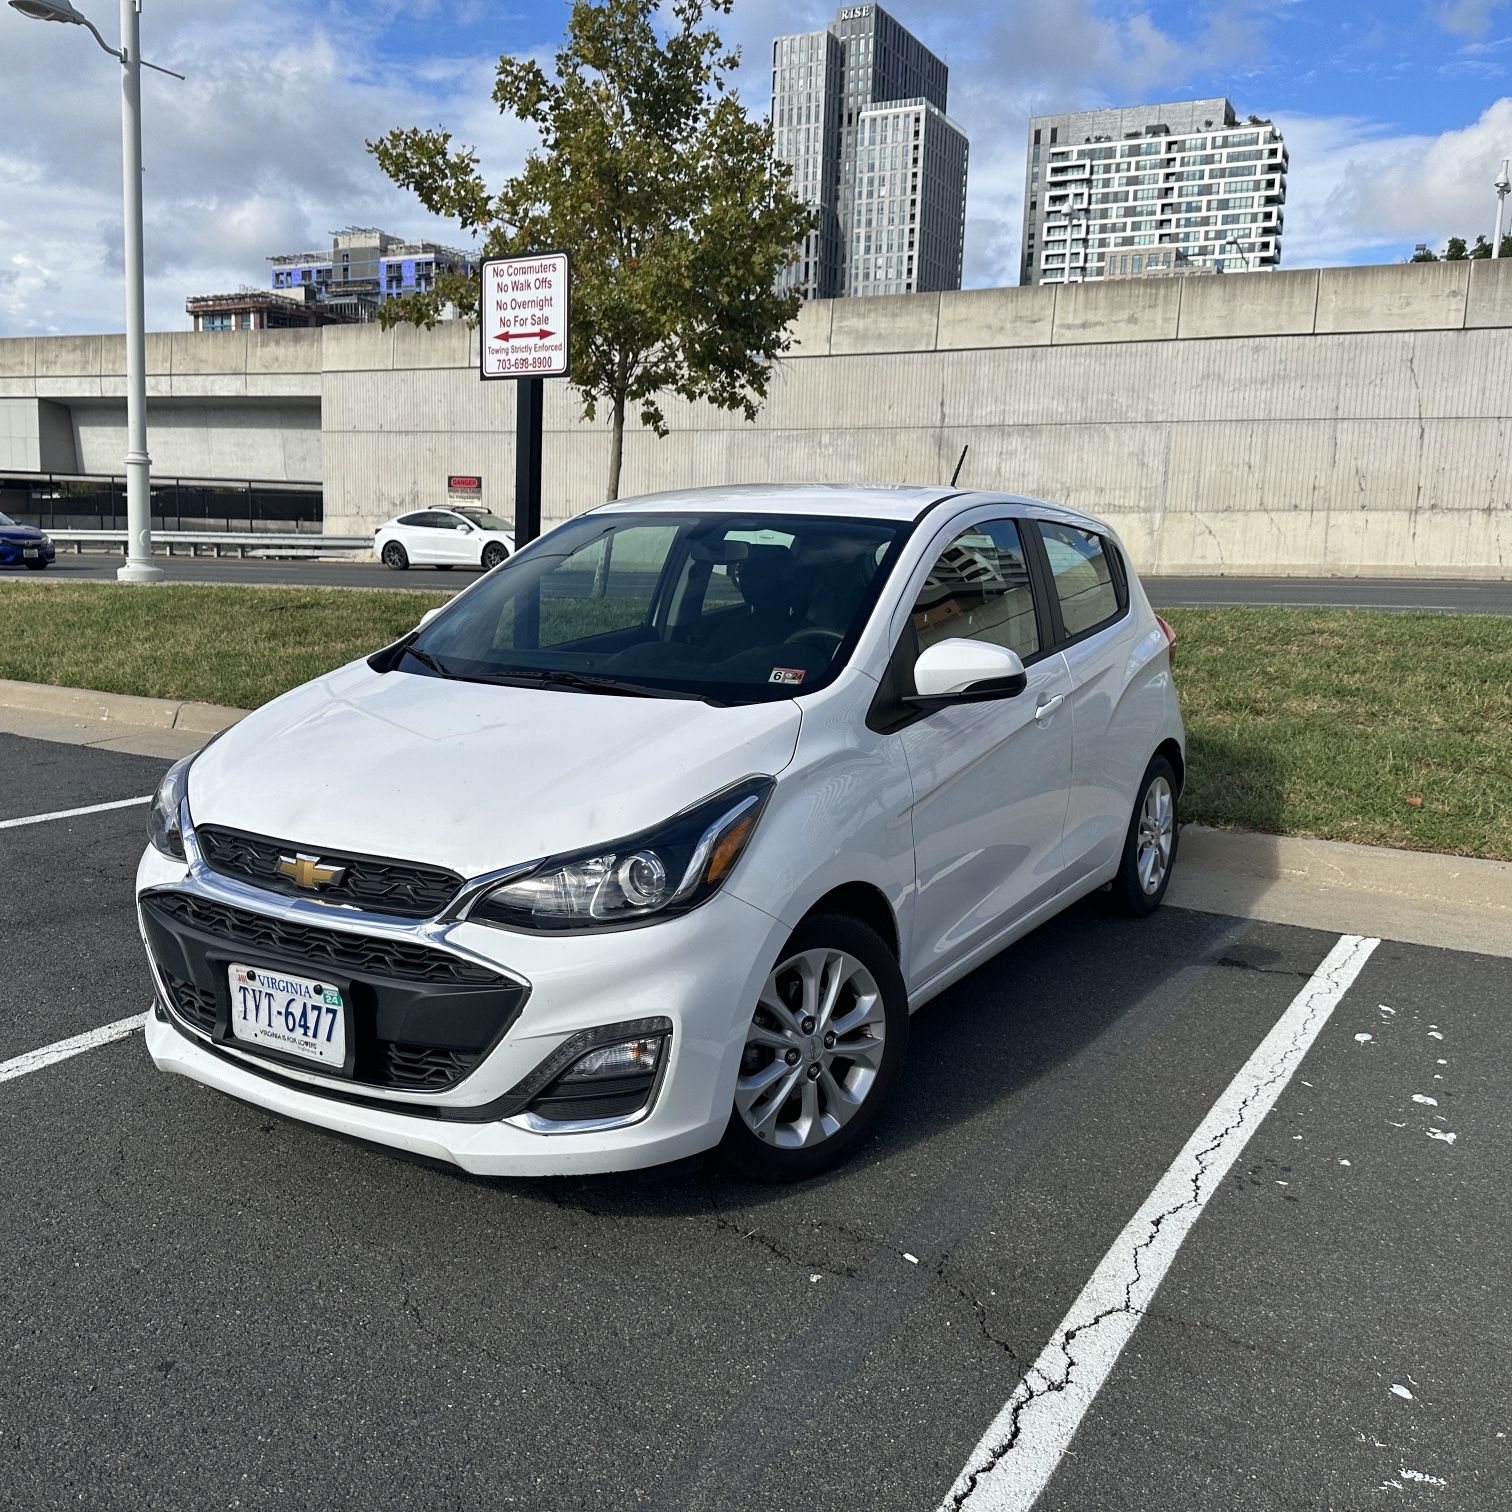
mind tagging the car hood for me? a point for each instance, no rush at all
(19, 533)
(474, 776)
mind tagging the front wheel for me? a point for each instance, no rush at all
(1149, 851)
(493, 555)
(395, 557)
(824, 1046)
(37, 565)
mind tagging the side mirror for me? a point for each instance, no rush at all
(428, 616)
(966, 671)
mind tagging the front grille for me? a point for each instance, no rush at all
(195, 1005)
(368, 882)
(420, 1019)
(402, 960)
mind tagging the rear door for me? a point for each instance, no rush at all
(989, 779)
(1114, 732)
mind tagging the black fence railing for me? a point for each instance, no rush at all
(74, 501)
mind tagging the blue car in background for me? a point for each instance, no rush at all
(24, 545)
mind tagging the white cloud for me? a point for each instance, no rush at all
(259, 151)
(1356, 187)
(1467, 18)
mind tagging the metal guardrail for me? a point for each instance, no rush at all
(214, 542)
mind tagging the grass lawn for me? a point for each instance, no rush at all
(1388, 729)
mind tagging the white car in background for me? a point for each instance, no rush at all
(444, 538)
(652, 840)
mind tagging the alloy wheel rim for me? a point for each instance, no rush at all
(813, 1051)
(1157, 830)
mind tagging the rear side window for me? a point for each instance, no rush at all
(411, 519)
(1084, 577)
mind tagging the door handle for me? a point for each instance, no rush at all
(1049, 706)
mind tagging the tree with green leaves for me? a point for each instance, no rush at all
(662, 189)
(1456, 249)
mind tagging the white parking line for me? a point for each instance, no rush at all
(93, 808)
(48, 1055)
(1021, 1450)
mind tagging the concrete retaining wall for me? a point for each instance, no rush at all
(1348, 420)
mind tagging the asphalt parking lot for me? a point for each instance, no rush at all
(204, 1306)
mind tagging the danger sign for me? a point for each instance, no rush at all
(523, 316)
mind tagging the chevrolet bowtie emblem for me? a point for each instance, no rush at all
(309, 872)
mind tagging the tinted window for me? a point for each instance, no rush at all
(979, 589)
(1084, 581)
(411, 519)
(725, 606)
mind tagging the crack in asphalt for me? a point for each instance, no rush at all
(1036, 1384)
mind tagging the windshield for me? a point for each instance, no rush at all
(5, 519)
(729, 608)
(484, 520)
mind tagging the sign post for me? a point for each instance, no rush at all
(523, 316)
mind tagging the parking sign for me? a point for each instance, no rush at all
(523, 315)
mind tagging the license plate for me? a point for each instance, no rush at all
(299, 1015)
(31, 553)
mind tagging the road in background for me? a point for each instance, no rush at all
(1165, 593)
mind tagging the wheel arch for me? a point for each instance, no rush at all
(1171, 750)
(865, 902)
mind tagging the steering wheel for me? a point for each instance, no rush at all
(817, 636)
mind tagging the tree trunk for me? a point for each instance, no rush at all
(616, 444)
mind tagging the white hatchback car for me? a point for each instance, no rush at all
(444, 538)
(650, 841)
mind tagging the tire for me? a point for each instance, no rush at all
(1149, 852)
(37, 566)
(493, 555)
(395, 557)
(777, 1113)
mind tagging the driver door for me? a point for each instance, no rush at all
(991, 781)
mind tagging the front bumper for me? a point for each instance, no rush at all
(14, 553)
(702, 972)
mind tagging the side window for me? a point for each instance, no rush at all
(411, 519)
(1084, 577)
(449, 521)
(979, 589)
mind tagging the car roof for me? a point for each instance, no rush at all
(872, 501)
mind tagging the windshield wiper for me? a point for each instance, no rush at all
(587, 682)
(427, 660)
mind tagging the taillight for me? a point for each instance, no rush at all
(1170, 636)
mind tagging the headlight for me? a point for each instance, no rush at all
(654, 875)
(164, 818)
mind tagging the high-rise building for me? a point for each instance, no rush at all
(858, 110)
(1151, 191)
(364, 267)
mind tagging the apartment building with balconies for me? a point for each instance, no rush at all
(1151, 190)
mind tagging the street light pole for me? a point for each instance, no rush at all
(138, 567)
(1503, 183)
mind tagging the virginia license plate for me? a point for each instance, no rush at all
(298, 1015)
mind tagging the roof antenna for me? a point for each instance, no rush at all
(959, 465)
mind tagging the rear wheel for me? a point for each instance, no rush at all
(395, 556)
(493, 555)
(824, 1046)
(1150, 844)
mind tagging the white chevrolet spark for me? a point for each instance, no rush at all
(652, 839)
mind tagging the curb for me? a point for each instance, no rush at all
(119, 708)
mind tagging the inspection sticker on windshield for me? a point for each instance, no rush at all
(786, 675)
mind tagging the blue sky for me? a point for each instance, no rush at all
(1397, 116)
